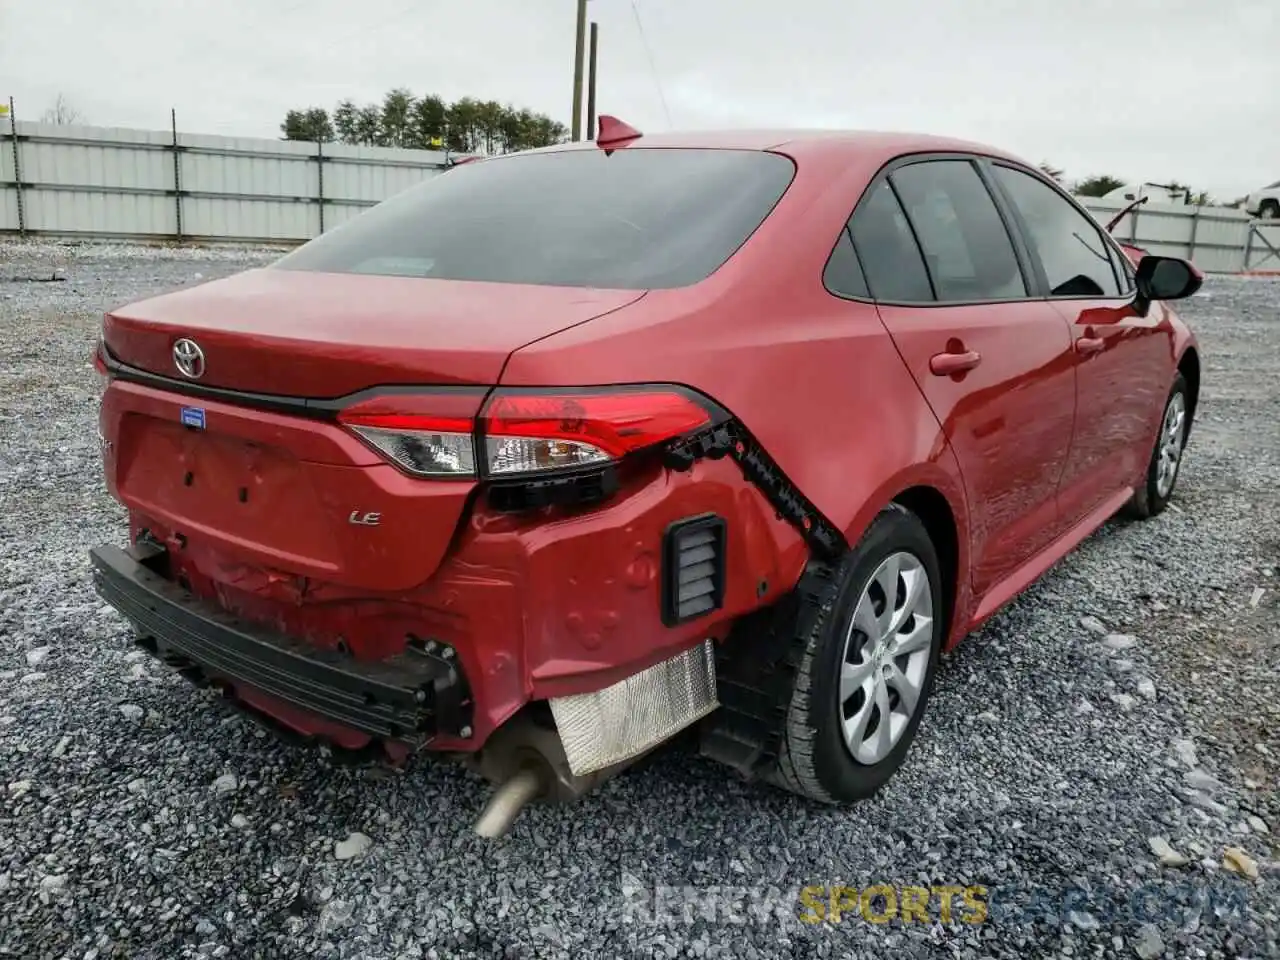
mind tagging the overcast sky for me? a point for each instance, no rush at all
(1143, 89)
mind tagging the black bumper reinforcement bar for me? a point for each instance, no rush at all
(411, 697)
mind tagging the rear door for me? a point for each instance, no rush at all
(1124, 363)
(993, 361)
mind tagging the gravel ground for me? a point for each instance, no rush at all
(139, 818)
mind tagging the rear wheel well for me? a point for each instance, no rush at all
(935, 513)
(1189, 367)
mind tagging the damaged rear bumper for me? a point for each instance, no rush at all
(413, 697)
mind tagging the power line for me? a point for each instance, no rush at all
(653, 68)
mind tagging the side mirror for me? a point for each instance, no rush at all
(1167, 278)
(1164, 278)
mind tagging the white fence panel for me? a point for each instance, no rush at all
(1262, 246)
(149, 184)
(1213, 237)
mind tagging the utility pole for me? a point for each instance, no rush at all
(576, 129)
(591, 81)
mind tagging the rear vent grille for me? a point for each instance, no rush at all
(693, 553)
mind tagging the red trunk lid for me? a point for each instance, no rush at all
(253, 489)
(302, 334)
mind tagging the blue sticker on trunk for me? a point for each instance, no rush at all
(193, 417)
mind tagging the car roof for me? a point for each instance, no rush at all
(808, 142)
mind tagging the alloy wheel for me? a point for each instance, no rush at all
(886, 657)
(1171, 443)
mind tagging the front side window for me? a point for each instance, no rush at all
(1077, 260)
(634, 219)
(966, 246)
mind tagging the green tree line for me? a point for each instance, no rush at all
(403, 119)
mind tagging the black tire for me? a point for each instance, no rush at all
(813, 759)
(1269, 210)
(1148, 501)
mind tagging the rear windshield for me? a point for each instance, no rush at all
(636, 219)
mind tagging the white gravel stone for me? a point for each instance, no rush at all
(356, 845)
(227, 783)
(1148, 944)
(1205, 802)
(1186, 751)
(1084, 921)
(1165, 853)
(54, 883)
(1199, 780)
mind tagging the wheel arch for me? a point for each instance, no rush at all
(934, 511)
(934, 492)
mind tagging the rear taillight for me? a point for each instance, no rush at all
(524, 432)
(100, 367)
(428, 450)
(535, 432)
(426, 435)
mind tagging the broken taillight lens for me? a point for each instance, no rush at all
(426, 435)
(536, 431)
(425, 451)
(522, 431)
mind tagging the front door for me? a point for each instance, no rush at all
(994, 363)
(1124, 363)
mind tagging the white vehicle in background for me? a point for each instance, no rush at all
(1264, 203)
(1153, 192)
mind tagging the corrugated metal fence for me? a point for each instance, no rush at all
(74, 181)
(1218, 239)
(77, 181)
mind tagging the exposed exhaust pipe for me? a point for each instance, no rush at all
(526, 760)
(509, 800)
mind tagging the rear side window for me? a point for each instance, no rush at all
(1077, 261)
(888, 250)
(966, 246)
(843, 275)
(636, 219)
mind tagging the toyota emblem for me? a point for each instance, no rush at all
(188, 358)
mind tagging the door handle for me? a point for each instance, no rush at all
(1090, 345)
(949, 364)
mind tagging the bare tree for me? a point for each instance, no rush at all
(62, 112)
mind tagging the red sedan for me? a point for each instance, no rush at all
(561, 453)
